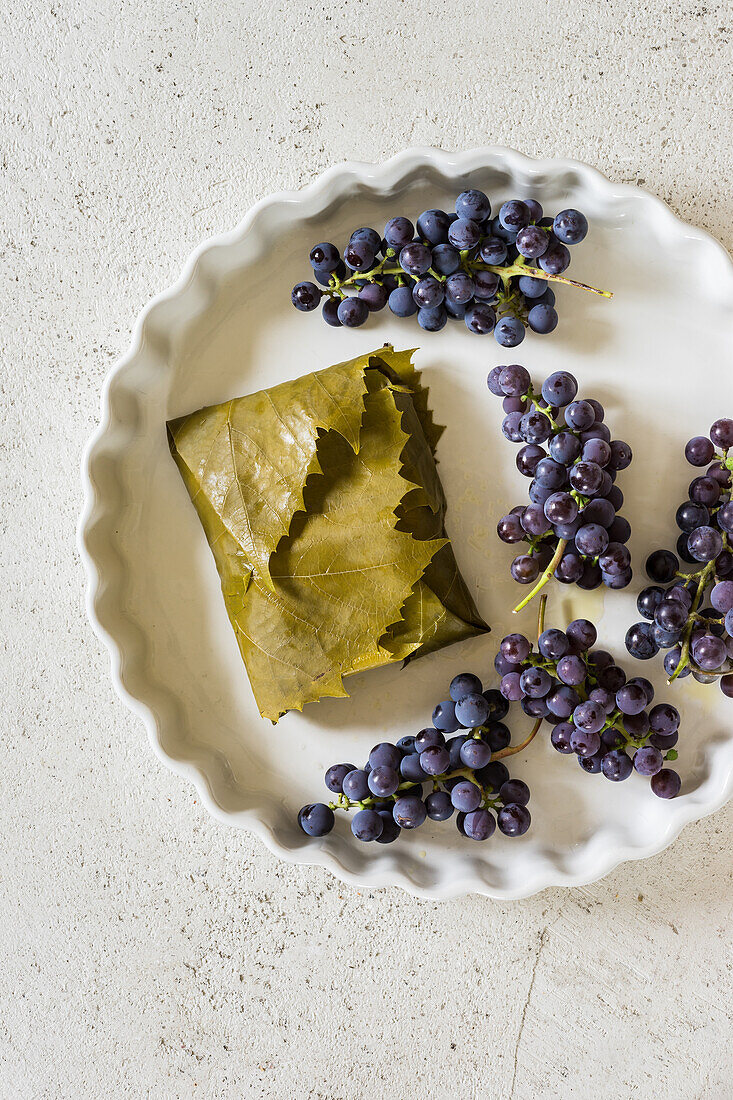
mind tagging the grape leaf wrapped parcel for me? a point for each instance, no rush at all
(323, 508)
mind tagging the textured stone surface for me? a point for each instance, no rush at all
(148, 951)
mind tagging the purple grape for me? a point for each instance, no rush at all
(453, 745)
(511, 688)
(479, 825)
(464, 684)
(553, 644)
(509, 332)
(705, 543)
(586, 478)
(530, 287)
(580, 415)
(433, 761)
(411, 769)
(620, 530)
(671, 615)
(352, 312)
(616, 765)
(535, 427)
(571, 670)
(429, 737)
(721, 433)
(709, 652)
(562, 701)
(355, 785)
(415, 258)
(485, 285)
(592, 764)
(432, 320)
(409, 811)
(661, 566)
(699, 451)
(648, 760)
(444, 717)
(556, 259)
(615, 559)
(514, 820)
(466, 796)
(514, 380)
(631, 698)
(532, 241)
(515, 648)
(306, 296)
(666, 783)
(399, 232)
(384, 781)
(560, 388)
(446, 259)
(550, 474)
(316, 819)
(704, 490)
(509, 529)
(542, 319)
(570, 226)
(524, 569)
(367, 825)
(475, 753)
(585, 742)
(529, 456)
(621, 455)
(534, 520)
(480, 319)
(721, 597)
(335, 776)
(589, 717)
(402, 303)
(535, 682)
(464, 234)
(497, 736)
(472, 711)
(560, 737)
(493, 251)
(439, 806)
(432, 226)
(591, 540)
(514, 215)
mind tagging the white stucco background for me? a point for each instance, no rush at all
(147, 951)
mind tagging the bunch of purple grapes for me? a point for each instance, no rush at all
(698, 636)
(467, 266)
(571, 524)
(463, 774)
(594, 710)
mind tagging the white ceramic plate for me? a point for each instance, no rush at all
(658, 357)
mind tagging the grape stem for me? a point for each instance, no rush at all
(704, 574)
(519, 267)
(556, 557)
(510, 750)
(541, 616)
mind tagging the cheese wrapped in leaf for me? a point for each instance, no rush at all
(322, 505)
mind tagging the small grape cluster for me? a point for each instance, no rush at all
(465, 773)
(594, 710)
(698, 638)
(466, 265)
(571, 524)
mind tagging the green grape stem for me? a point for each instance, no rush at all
(704, 577)
(387, 266)
(556, 557)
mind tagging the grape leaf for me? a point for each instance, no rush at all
(321, 503)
